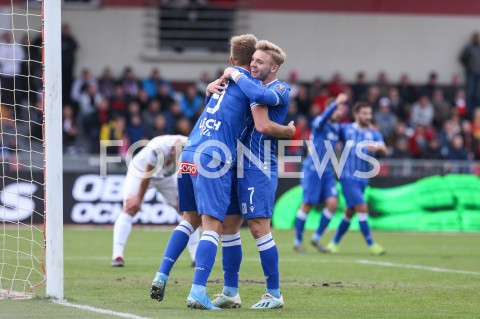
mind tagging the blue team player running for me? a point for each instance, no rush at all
(361, 142)
(319, 183)
(256, 188)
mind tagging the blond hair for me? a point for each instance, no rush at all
(242, 48)
(274, 50)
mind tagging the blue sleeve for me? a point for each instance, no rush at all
(207, 99)
(343, 128)
(377, 137)
(319, 121)
(258, 94)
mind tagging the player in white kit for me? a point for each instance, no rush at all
(154, 166)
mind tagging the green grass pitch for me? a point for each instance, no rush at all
(443, 281)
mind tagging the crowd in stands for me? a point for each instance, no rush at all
(421, 121)
(428, 121)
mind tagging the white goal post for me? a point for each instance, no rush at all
(53, 147)
(31, 168)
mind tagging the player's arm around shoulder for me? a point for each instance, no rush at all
(264, 125)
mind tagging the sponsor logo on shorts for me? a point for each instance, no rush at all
(188, 168)
(244, 208)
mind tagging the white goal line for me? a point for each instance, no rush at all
(98, 310)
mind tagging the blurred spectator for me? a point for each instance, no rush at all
(135, 129)
(89, 101)
(80, 85)
(431, 85)
(319, 102)
(151, 84)
(202, 83)
(360, 87)
(293, 84)
(373, 95)
(470, 59)
(422, 112)
(382, 83)
(115, 130)
(106, 83)
(292, 113)
(118, 100)
(452, 90)
(11, 56)
(315, 88)
(191, 102)
(433, 150)
(401, 150)
(164, 96)
(303, 101)
(150, 113)
(396, 103)
(133, 108)
(400, 131)
(69, 49)
(446, 134)
(384, 117)
(460, 103)
(159, 127)
(419, 140)
(302, 133)
(142, 99)
(456, 150)
(476, 123)
(472, 145)
(130, 83)
(69, 128)
(407, 91)
(441, 108)
(172, 115)
(336, 85)
(183, 127)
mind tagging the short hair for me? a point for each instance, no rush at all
(360, 105)
(274, 50)
(242, 48)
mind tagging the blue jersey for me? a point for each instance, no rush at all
(352, 135)
(323, 131)
(275, 96)
(222, 122)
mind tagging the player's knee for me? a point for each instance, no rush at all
(193, 218)
(258, 228)
(305, 208)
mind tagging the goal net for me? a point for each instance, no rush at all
(23, 150)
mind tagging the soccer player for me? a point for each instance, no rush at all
(153, 166)
(320, 187)
(205, 179)
(256, 190)
(358, 163)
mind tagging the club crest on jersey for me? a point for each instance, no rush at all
(188, 168)
(206, 125)
(280, 89)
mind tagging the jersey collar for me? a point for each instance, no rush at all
(239, 67)
(271, 82)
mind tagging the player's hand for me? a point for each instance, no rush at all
(215, 87)
(341, 99)
(132, 205)
(291, 130)
(227, 74)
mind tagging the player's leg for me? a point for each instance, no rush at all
(231, 253)
(213, 210)
(362, 215)
(123, 224)
(231, 260)
(312, 191)
(168, 187)
(352, 191)
(180, 236)
(257, 192)
(204, 261)
(331, 205)
(260, 229)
